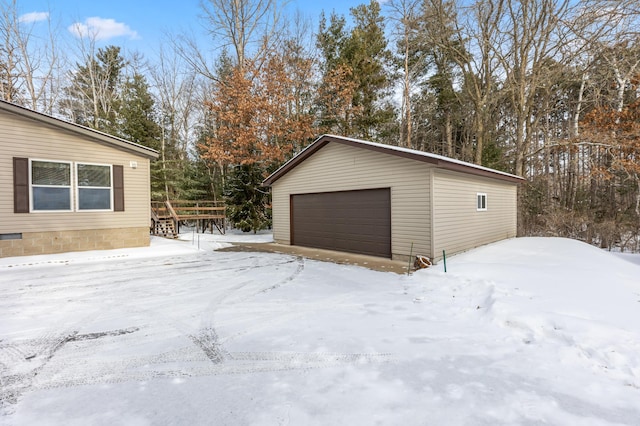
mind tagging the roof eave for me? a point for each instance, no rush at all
(478, 172)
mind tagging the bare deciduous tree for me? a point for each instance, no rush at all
(469, 40)
(405, 14)
(93, 93)
(242, 23)
(175, 88)
(531, 41)
(29, 67)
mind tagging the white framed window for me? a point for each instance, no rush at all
(481, 202)
(50, 183)
(94, 186)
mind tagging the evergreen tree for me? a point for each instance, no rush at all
(136, 111)
(355, 70)
(439, 46)
(247, 202)
(367, 53)
(196, 181)
(337, 89)
(137, 122)
(331, 40)
(92, 97)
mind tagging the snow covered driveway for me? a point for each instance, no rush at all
(525, 331)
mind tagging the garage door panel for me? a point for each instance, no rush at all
(353, 221)
(321, 236)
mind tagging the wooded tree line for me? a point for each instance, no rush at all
(545, 89)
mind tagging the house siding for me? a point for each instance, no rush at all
(457, 224)
(25, 138)
(339, 167)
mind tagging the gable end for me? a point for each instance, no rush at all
(436, 160)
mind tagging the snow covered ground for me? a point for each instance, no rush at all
(522, 332)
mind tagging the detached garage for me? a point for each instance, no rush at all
(361, 197)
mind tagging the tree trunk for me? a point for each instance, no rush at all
(448, 131)
(576, 114)
(520, 146)
(407, 92)
(480, 131)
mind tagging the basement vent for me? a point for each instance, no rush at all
(16, 236)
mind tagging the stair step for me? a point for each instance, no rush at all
(165, 228)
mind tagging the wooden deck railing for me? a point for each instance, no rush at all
(202, 213)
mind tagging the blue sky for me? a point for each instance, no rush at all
(140, 24)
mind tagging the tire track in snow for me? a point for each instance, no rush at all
(87, 273)
(293, 276)
(235, 363)
(65, 358)
(40, 352)
(205, 340)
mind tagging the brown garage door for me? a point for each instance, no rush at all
(352, 221)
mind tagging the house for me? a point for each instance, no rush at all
(356, 196)
(64, 187)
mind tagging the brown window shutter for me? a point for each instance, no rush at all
(20, 185)
(118, 188)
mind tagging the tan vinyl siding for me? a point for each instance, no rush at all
(457, 225)
(338, 167)
(20, 137)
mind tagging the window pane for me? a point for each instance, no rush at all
(482, 202)
(46, 173)
(94, 199)
(51, 198)
(90, 175)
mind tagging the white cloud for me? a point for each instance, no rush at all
(101, 29)
(34, 17)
